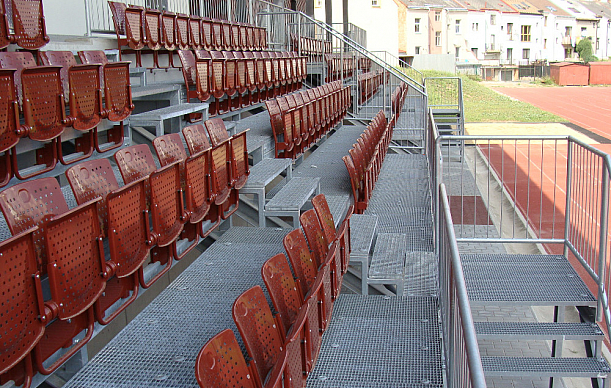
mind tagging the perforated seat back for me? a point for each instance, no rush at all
(217, 78)
(9, 110)
(166, 196)
(168, 30)
(29, 24)
(325, 217)
(65, 59)
(195, 29)
(196, 138)
(243, 37)
(323, 289)
(134, 22)
(135, 162)
(316, 238)
(118, 16)
(85, 96)
(203, 79)
(226, 26)
(189, 71)
(282, 289)
(217, 34)
(118, 91)
(182, 31)
(250, 37)
(17, 60)
(169, 149)
(302, 262)
(242, 77)
(262, 337)
(216, 131)
(235, 37)
(197, 178)
(21, 329)
(207, 37)
(90, 180)
(127, 227)
(220, 363)
(75, 267)
(240, 156)
(152, 19)
(221, 167)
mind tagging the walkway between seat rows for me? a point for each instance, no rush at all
(158, 348)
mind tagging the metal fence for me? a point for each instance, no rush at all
(550, 191)
(464, 365)
(533, 70)
(444, 93)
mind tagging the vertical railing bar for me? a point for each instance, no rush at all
(528, 180)
(555, 188)
(567, 212)
(541, 191)
(602, 251)
(515, 187)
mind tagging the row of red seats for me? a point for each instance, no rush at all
(369, 84)
(140, 222)
(237, 79)
(311, 47)
(339, 67)
(365, 159)
(138, 28)
(397, 101)
(298, 120)
(29, 30)
(36, 98)
(283, 348)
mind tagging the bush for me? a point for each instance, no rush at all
(547, 81)
(584, 49)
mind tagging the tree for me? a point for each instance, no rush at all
(584, 49)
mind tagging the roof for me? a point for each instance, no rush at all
(523, 6)
(477, 5)
(548, 7)
(575, 9)
(445, 4)
(564, 64)
(600, 8)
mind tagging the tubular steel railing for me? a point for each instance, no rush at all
(548, 191)
(403, 66)
(445, 93)
(464, 364)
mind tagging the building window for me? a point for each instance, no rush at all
(458, 26)
(545, 21)
(474, 51)
(584, 32)
(375, 3)
(417, 51)
(475, 26)
(525, 53)
(437, 16)
(544, 43)
(437, 38)
(567, 31)
(318, 3)
(510, 55)
(417, 25)
(597, 43)
(492, 20)
(525, 35)
(457, 54)
(509, 29)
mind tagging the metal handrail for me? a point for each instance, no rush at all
(586, 209)
(457, 319)
(402, 64)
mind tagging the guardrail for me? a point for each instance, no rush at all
(405, 67)
(444, 92)
(464, 364)
(551, 191)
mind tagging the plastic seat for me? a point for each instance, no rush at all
(243, 37)
(182, 31)
(239, 152)
(304, 265)
(259, 329)
(168, 33)
(207, 35)
(152, 31)
(286, 296)
(77, 278)
(360, 203)
(300, 119)
(218, 81)
(230, 80)
(243, 78)
(29, 24)
(199, 193)
(164, 195)
(11, 129)
(44, 115)
(217, 35)
(65, 59)
(196, 138)
(18, 61)
(220, 363)
(118, 104)
(91, 57)
(226, 41)
(222, 179)
(195, 32)
(316, 238)
(128, 27)
(23, 328)
(124, 221)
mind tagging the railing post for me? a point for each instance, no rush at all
(602, 250)
(567, 210)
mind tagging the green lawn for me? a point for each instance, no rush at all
(483, 105)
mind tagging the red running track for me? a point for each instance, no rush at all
(588, 107)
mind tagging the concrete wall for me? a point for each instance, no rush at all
(441, 62)
(381, 23)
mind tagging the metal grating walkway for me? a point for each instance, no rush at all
(380, 341)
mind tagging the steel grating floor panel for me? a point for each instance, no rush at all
(528, 279)
(405, 352)
(362, 232)
(545, 366)
(158, 348)
(421, 274)
(541, 330)
(388, 259)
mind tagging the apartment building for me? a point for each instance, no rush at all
(602, 11)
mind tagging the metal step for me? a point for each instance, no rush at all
(388, 261)
(545, 367)
(538, 331)
(292, 197)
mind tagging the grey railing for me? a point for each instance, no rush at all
(464, 364)
(405, 67)
(353, 32)
(551, 192)
(445, 93)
